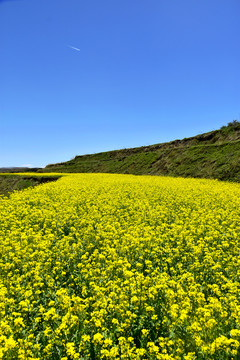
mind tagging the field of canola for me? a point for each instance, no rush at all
(98, 266)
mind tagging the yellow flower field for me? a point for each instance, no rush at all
(100, 266)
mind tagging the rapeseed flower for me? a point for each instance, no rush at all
(100, 266)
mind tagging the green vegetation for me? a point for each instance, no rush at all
(18, 169)
(211, 155)
(10, 183)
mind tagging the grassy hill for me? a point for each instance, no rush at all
(215, 154)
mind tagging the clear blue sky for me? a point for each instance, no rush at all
(148, 71)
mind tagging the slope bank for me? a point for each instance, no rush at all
(10, 183)
(215, 154)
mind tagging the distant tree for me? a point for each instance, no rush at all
(234, 123)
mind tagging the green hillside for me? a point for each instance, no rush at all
(215, 154)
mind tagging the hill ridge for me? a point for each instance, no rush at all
(215, 154)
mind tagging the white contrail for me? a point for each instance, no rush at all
(74, 48)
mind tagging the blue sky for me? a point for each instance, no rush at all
(148, 71)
